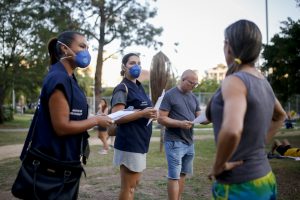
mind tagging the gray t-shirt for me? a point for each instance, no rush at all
(181, 106)
(251, 149)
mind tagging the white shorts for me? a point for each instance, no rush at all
(135, 162)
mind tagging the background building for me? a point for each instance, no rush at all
(218, 73)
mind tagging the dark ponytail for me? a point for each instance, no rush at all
(52, 51)
(233, 67)
(208, 109)
(245, 41)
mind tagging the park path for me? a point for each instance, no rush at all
(10, 151)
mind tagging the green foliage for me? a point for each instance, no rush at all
(85, 82)
(19, 121)
(282, 60)
(111, 20)
(207, 85)
(146, 85)
(8, 113)
(107, 92)
(125, 20)
(26, 27)
(30, 111)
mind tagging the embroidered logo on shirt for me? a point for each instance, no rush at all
(144, 103)
(76, 112)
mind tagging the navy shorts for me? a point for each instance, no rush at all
(100, 128)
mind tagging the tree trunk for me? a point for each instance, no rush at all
(99, 65)
(1, 106)
(98, 77)
(162, 134)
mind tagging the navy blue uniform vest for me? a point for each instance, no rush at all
(67, 148)
(134, 136)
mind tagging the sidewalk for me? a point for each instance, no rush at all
(10, 151)
(14, 129)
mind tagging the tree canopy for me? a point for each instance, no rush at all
(207, 85)
(125, 21)
(26, 27)
(282, 60)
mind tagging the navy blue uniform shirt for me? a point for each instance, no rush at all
(67, 148)
(134, 136)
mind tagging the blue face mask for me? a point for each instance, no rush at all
(135, 71)
(82, 58)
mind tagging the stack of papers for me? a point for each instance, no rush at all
(119, 114)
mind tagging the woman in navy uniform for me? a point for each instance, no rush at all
(60, 124)
(132, 134)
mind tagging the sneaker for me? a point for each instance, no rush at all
(103, 152)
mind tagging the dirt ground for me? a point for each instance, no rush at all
(107, 188)
(103, 183)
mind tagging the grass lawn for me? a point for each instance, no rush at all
(8, 138)
(20, 121)
(102, 181)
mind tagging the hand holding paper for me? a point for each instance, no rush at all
(201, 118)
(119, 114)
(157, 105)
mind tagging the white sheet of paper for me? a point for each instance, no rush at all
(294, 158)
(201, 118)
(157, 104)
(119, 114)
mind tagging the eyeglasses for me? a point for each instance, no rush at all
(194, 84)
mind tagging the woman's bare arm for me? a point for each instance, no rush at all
(60, 111)
(279, 115)
(145, 113)
(235, 104)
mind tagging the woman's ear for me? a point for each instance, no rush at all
(64, 49)
(228, 53)
(123, 67)
(226, 48)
